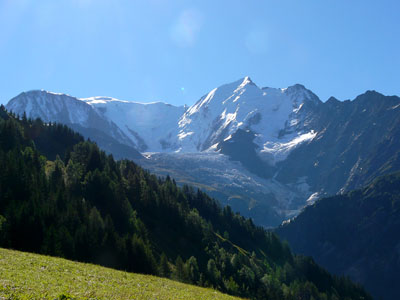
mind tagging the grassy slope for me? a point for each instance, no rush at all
(31, 276)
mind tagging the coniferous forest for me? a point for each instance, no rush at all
(61, 195)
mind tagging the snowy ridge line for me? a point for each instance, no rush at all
(161, 127)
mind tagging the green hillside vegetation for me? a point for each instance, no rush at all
(56, 278)
(64, 197)
(356, 234)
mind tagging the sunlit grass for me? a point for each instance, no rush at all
(31, 276)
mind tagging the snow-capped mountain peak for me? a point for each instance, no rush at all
(243, 105)
(246, 81)
(274, 115)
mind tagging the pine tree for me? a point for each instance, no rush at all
(164, 269)
(192, 270)
(179, 273)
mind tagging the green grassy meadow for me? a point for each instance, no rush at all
(31, 276)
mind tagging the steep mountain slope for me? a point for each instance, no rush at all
(356, 234)
(356, 142)
(64, 109)
(88, 207)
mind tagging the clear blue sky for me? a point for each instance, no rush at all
(176, 51)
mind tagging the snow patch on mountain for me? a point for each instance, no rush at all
(314, 197)
(149, 125)
(278, 151)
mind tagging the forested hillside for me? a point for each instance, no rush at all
(62, 196)
(356, 234)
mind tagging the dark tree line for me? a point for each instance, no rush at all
(63, 196)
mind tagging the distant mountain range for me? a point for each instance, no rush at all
(161, 127)
(266, 152)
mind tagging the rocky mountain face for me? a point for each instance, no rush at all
(356, 142)
(267, 152)
(356, 234)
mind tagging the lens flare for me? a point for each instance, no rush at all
(184, 31)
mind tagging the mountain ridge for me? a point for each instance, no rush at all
(177, 131)
(282, 139)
